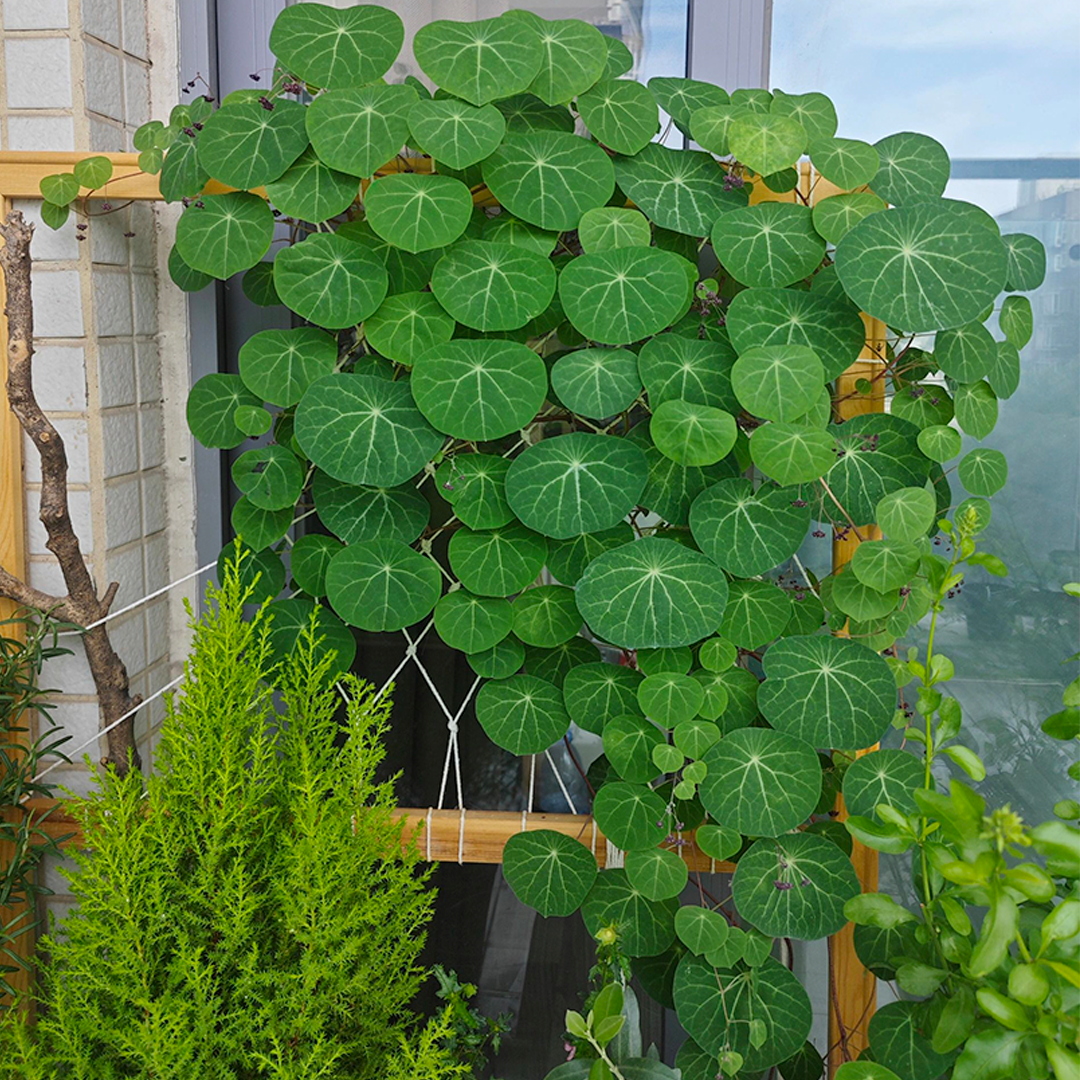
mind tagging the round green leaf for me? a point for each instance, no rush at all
(876, 454)
(756, 613)
(211, 410)
(370, 513)
(493, 286)
(631, 816)
(814, 111)
(525, 113)
(259, 528)
(479, 61)
(497, 562)
(271, 477)
(181, 275)
(500, 661)
(545, 616)
(356, 131)
(224, 234)
(836, 216)
(555, 664)
(976, 408)
(279, 365)
(253, 419)
(479, 389)
(1016, 321)
(1026, 262)
(767, 142)
(596, 693)
(761, 782)
(258, 284)
(456, 133)
(669, 697)
(506, 229)
(382, 585)
(674, 367)
(885, 776)
(928, 266)
(311, 191)
(628, 745)
(700, 929)
(407, 325)
(767, 317)
(331, 47)
(475, 485)
(716, 654)
(1004, 375)
(770, 244)
(653, 593)
(549, 178)
(922, 404)
(681, 98)
(362, 429)
(329, 280)
(60, 188)
(790, 453)
(644, 927)
(609, 227)
(940, 442)
(308, 559)
(848, 163)
(709, 126)
(621, 114)
(597, 382)
(260, 571)
(549, 871)
(885, 564)
(658, 874)
(472, 623)
(747, 531)
(665, 661)
(913, 168)
(406, 272)
(522, 714)
(716, 1008)
(966, 353)
(827, 691)
(245, 145)
(983, 471)
(574, 57)
(417, 211)
(692, 434)
(624, 294)
(291, 620)
(576, 483)
(718, 842)
(795, 886)
(777, 382)
(906, 514)
(681, 190)
(900, 1041)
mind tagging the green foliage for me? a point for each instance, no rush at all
(237, 907)
(27, 640)
(621, 363)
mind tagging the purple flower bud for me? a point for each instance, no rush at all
(783, 886)
(805, 881)
(129, 235)
(819, 533)
(267, 104)
(255, 76)
(106, 206)
(799, 503)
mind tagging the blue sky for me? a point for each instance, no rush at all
(988, 78)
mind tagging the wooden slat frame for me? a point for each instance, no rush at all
(473, 836)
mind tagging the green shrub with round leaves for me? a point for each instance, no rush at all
(573, 394)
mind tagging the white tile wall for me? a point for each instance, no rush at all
(104, 86)
(134, 27)
(112, 302)
(38, 72)
(102, 19)
(57, 303)
(123, 519)
(120, 442)
(35, 14)
(125, 565)
(34, 132)
(48, 244)
(116, 373)
(60, 377)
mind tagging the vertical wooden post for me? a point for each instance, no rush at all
(853, 989)
(12, 558)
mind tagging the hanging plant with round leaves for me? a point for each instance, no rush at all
(575, 395)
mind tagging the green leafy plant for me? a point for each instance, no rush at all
(27, 641)
(538, 338)
(250, 910)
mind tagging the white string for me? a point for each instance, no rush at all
(452, 746)
(105, 730)
(410, 654)
(614, 857)
(461, 838)
(593, 845)
(137, 603)
(562, 786)
(532, 781)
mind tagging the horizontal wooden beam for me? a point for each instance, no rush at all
(472, 836)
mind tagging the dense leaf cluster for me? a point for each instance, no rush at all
(574, 393)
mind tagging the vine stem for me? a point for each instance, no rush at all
(842, 1033)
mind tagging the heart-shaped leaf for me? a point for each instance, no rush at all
(497, 562)
(418, 212)
(370, 513)
(311, 191)
(658, 874)
(597, 382)
(546, 616)
(674, 367)
(631, 816)
(245, 145)
(629, 742)
(621, 114)
(644, 927)
(456, 133)
(596, 693)
(475, 485)
(848, 163)
(700, 929)
(692, 434)
(885, 776)
(770, 244)
(224, 234)
(279, 365)
(767, 142)
(408, 325)
(211, 410)
(913, 168)
(356, 131)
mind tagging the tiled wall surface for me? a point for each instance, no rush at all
(77, 76)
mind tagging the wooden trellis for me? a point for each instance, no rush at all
(468, 836)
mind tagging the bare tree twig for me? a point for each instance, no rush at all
(81, 605)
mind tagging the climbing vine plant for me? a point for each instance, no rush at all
(572, 391)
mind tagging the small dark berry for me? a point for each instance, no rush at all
(255, 77)
(197, 127)
(819, 533)
(267, 104)
(106, 206)
(799, 503)
(129, 235)
(189, 132)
